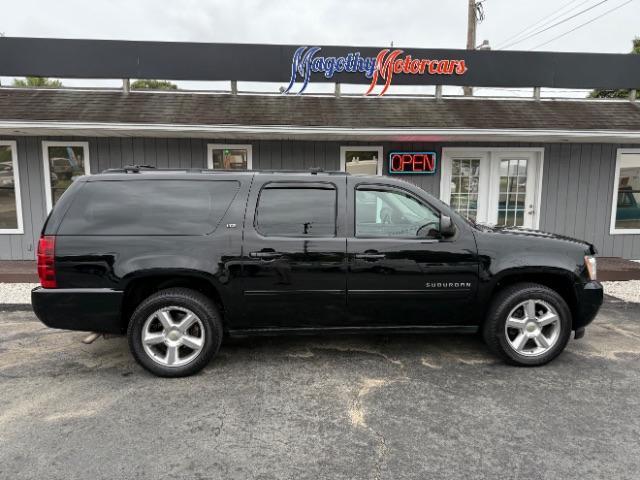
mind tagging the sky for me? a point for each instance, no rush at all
(406, 23)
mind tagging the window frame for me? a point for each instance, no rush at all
(364, 148)
(16, 189)
(394, 189)
(48, 194)
(281, 185)
(225, 146)
(614, 198)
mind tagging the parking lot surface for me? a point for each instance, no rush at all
(321, 407)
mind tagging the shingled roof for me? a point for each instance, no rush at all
(204, 109)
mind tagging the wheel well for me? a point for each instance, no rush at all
(141, 288)
(559, 283)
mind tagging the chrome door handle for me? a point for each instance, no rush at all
(370, 256)
(265, 255)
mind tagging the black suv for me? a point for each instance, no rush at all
(179, 258)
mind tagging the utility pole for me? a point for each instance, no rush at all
(472, 20)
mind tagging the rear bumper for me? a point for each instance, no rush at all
(589, 298)
(91, 310)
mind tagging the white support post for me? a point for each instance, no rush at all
(633, 93)
(438, 92)
(536, 93)
(234, 87)
(126, 86)
(336, 91)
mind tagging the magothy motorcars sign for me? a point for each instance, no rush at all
(379, 69)
(376, 68)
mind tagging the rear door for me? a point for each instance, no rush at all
(401, 272)
(294, 252)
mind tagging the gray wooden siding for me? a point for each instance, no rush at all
(576, 189)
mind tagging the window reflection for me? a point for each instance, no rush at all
(297, 212)
(66, 163)
(393, 214)
(8, 207)
(465, 179)
(229, 158)
(628, 197)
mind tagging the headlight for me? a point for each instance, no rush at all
(590, 263)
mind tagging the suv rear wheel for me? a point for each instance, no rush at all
(528, 324)
(175, 332)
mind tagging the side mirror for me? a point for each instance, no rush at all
(447, 227)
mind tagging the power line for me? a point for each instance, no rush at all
(552, 16)
(584, 24)
(534, 34)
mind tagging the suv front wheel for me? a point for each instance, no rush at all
(528, 324)
(175, 332)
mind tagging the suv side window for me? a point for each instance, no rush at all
(392, 213)
(297, 211)
(149, 207)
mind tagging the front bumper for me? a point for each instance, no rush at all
(90, 310)
(589, 298)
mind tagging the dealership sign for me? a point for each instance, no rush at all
(412, 162)
(379, 69)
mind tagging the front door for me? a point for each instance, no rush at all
(496, 187)
(294, 254)
(401, 273)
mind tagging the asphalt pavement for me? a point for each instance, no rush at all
(354, 407)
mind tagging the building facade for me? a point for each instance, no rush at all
(564, 166)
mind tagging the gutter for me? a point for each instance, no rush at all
(309, 132)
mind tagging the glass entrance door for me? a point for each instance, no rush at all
(515, 204)
(495, 187)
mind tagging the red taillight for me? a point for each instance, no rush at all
(46, 261)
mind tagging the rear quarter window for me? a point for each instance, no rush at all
(149, 207)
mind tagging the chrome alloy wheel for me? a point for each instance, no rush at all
(532, 328)
(173, 336)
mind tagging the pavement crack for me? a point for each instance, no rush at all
(370, 351)
(381, 455)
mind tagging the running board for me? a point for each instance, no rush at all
(419, 329)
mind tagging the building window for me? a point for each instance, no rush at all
(63, 163)
(10, 203)
(625, 215)
(361, 160)
(229, 157)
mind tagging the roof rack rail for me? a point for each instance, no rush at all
(129, 169)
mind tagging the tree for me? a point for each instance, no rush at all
(36, 82)
(153, 85)
(622, 92)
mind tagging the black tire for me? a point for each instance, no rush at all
(495, 335)
(194, 301)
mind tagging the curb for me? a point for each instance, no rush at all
(16, 307)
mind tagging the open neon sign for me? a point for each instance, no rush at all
(412, 162)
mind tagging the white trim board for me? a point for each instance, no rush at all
(614, 201)
(295, 132)
(363, 148)
(220, 146)
(47, 172)
(16, 189)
